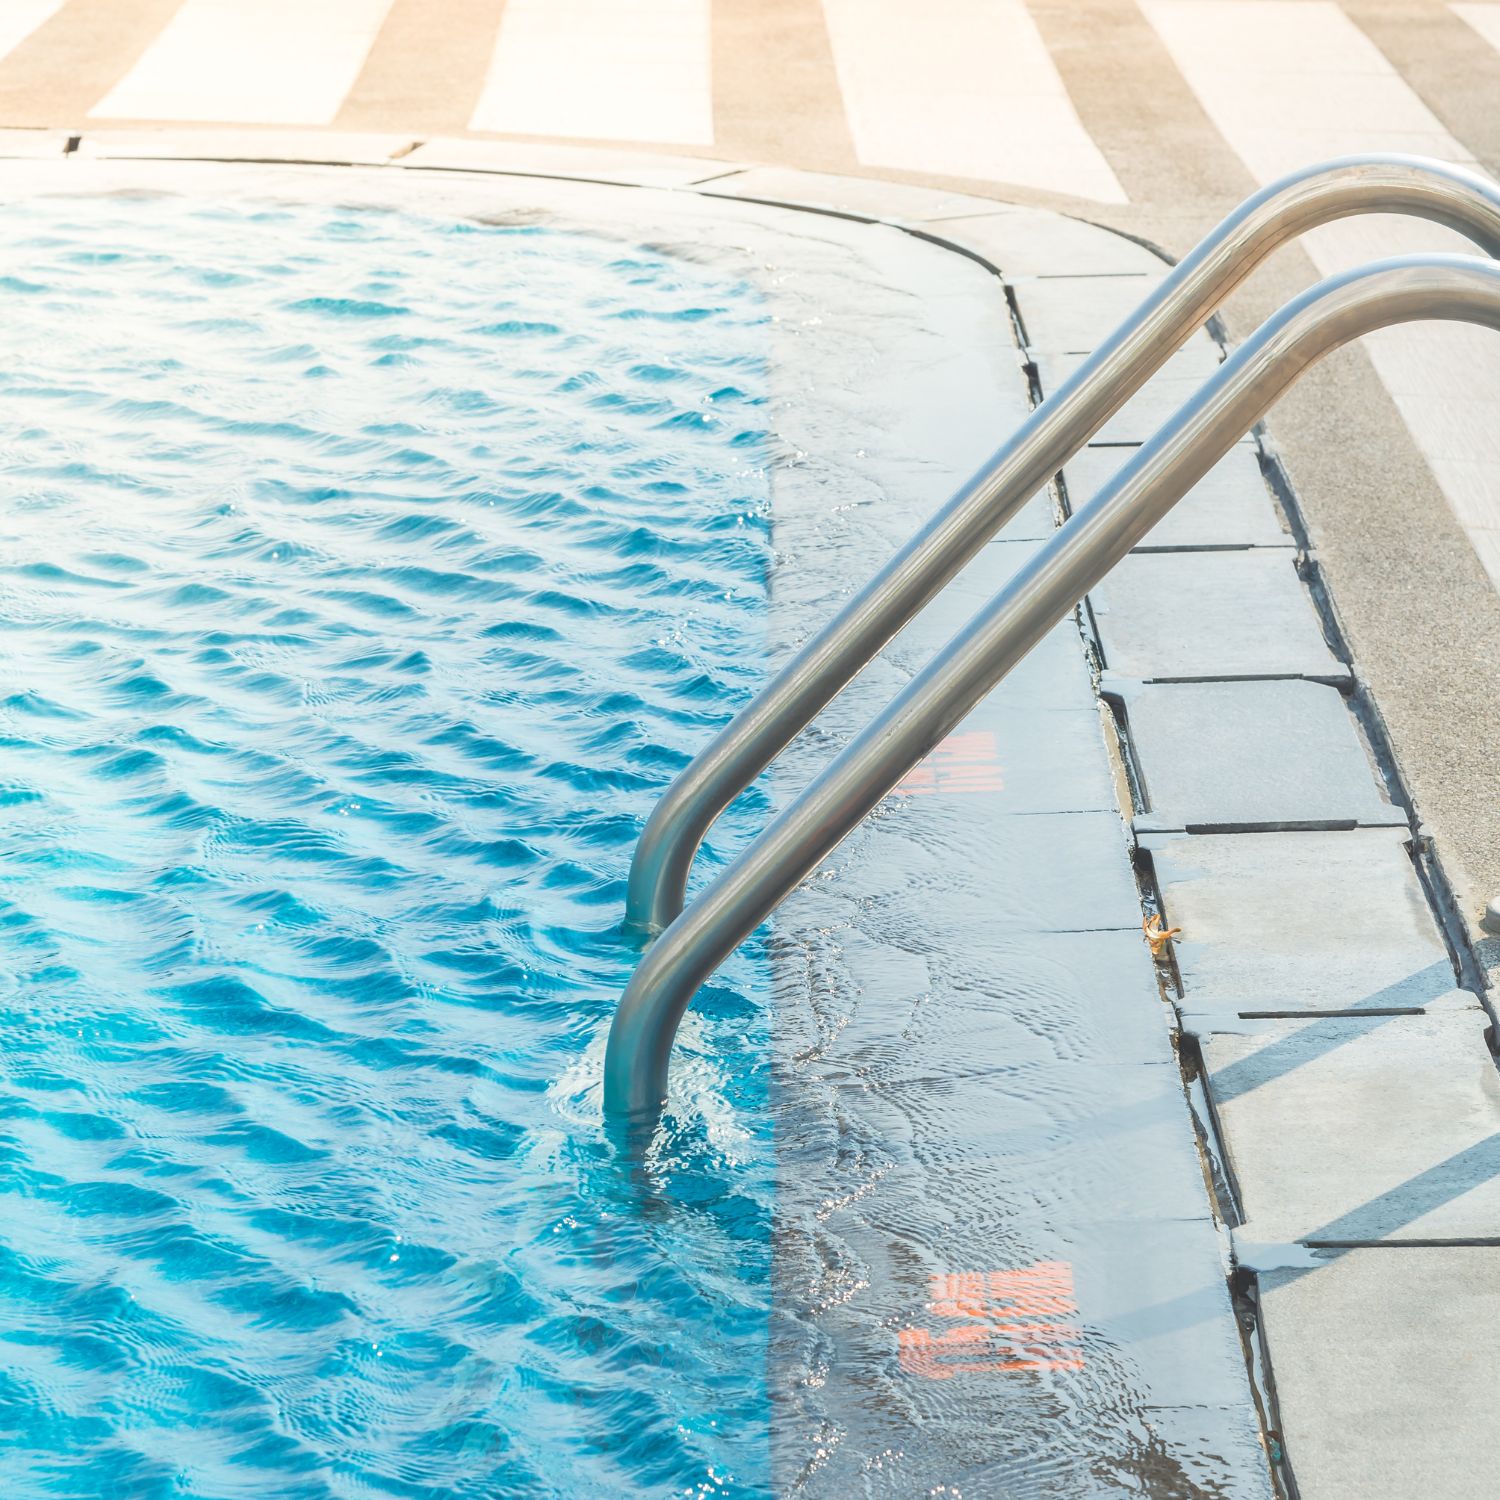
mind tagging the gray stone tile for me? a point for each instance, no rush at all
(1074, 314)
(1138, 419)
(1030, 243)
(1184, 364)
(938, 1020)
(1050, 760)
(1065, 315)
(1385, 1363)
(1216, 756)
(865, 197)
(1037, 873)
(1294, 922)
(544, 159)
(1229, 507)
(1120, 1374)
(1077, 1164)
(1159, 1293)
(1181, 616)
(1062, 1145)
(1054, 674)
(340, 148)
(1014, 754)
(1360, 1128)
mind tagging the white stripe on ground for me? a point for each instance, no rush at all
(19, 18)
(1485, 19)
(636, 70)
(261, 62)
(962, 87)
(1291, 82)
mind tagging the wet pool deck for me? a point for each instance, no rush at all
(1002, 1264)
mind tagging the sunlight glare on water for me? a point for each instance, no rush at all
(363, 579)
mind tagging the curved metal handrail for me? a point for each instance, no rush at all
(1050, 436)
(1072, 562)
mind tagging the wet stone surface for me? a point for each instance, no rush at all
(997, 1267)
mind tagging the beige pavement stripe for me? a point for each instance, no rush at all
(965, 88)
(602, 70)
(1283, 78)
(1434, 52)
(775, 87)
(1307, 84)
(1140, 111)
(1485, 19)
(56, 73)
(19, 18)
(253, 62)
(426, 69)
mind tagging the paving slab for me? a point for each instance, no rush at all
(949, 1191)
(896, 1016)
(1216, 756)
(1385, 1362)
(1054, 674)
(1352, 1129)
(1073, 315)
(1042, 872)
(1229, 507)
(1059, 1145)
(321, 147)
(542, 159)
(1031, 243)
(1046, 761)
(1302, 922)
(1176, 383)
(1185, 616)
(861, 197)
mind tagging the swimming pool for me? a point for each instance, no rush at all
(365, 578)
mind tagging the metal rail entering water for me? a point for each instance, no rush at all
(1341, 308)
(1053, 433)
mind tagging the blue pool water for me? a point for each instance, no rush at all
(363, 579)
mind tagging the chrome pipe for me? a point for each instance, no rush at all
(1066, 567)
(1050, 436)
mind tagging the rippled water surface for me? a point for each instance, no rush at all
(362, 580)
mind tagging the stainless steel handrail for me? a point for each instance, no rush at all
(1050, 436)
(1072, 562)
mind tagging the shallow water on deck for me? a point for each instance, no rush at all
(362, 580)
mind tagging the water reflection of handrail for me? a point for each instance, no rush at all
(1052, 434)
(1189, 443)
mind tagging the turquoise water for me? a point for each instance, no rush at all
(362, 581)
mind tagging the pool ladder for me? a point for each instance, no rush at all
(693, 942)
